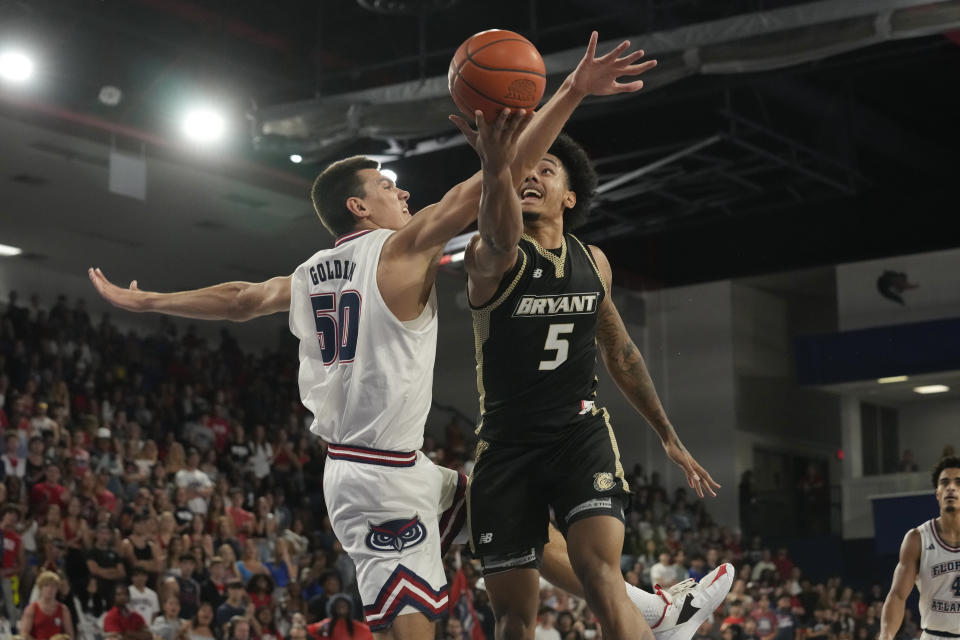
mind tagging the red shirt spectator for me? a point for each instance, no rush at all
(120, 619)
(48, 492)
(783, 564)
(12, 562)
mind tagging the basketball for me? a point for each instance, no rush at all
(496, 69)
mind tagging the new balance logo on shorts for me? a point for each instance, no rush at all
(396, 535)
(486, 538)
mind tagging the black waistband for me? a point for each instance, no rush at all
(942, 634)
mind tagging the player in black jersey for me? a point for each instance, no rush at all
(541, 307)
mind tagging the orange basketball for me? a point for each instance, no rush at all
(496, 69)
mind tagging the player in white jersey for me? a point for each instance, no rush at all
(930, 559)
(365, 313)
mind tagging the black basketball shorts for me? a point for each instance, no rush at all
(513, 487)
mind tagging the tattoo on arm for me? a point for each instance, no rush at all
(628, 369)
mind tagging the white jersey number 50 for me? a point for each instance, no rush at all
(558, 344)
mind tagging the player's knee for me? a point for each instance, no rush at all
(598, 577)
(515, 626)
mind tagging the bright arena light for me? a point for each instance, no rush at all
(204, 125)
(6, 250)
(390, 174)
(932, 388)
(296, 158)
(891, 379)
(15, 66)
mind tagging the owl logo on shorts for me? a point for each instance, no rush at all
(396, 535)
(603, 481)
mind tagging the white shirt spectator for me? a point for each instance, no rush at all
(194, 479)
(542, 633)
(17, 468)
(664, 575)
(144, 602)
(261, 459)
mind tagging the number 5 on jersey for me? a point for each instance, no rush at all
(337, 326)
(558, 344)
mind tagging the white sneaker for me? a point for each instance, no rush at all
(689, 603)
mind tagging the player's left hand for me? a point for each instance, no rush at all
(131, 299)
(697, 477)
(598, 76)
(496, 142)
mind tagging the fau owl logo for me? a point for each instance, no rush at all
(396, 535)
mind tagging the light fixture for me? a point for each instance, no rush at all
(296, 158)
(7, 251)
(15, 66)
(891, 379)
(390, 174)
(932, 388)
(204, 125)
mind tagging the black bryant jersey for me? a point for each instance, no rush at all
(536, 345)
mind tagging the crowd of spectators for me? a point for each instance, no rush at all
(158, 487)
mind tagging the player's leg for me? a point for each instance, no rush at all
(410, 626)
(508, 518)
(588, 495)
(594, 545)
(664, 611)
(385, 517)
(514, 597)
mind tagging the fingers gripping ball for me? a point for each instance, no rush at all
(496, 69)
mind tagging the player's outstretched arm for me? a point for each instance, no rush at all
(594, 75)
(432, 227)
(500, 220)
(904, 576)
(626, 366)
(236, 301)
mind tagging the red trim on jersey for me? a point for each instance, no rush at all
(351, 236)
(936, 536)
(404, 588)
(372, 456)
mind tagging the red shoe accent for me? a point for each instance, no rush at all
(664, 614)
(723, 571)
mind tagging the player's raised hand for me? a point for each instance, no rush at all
(697, 477)
(598, 76)
(496, 142)
(131, 299)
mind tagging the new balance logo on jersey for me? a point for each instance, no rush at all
(537, 273)
(574, 303)
(486, 538)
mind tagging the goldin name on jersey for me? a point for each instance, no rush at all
(324, 271)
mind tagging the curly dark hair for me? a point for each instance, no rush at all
(581, 179)
(950, 462)
(333, 186)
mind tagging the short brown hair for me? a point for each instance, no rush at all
(333, 186)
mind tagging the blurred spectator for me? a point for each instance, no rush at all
(142, 598)
(546, 629)
(907, 463)
(339, 623)
(765, 619)
(167, 625)
(123, 620)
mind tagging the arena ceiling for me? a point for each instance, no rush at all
(843, 154)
